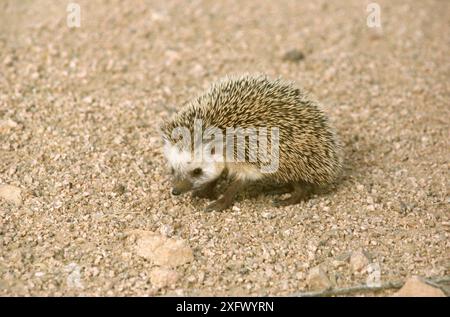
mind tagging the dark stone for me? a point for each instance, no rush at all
(294, 55)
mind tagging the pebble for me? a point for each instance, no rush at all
(267, 215)
(198, 71)
(374, 275)
(166, 230)
(73, 280)
(119, 189)
(9, 60)
(11, 194)
(88, 99)
(7, 124)
(172, 57)
(318, 280)
(163, 251)
(293, 55)
(163, 277)
(338, 264)
(28, 179)
(417, 287)
(358, 261)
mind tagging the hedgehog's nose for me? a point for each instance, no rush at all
(175, 192)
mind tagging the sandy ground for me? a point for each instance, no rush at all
(80, 110)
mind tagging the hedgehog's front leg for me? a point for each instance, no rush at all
(207, 191)
(228, 197)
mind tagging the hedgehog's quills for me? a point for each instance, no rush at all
(307, 151)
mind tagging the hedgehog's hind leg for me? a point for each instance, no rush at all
(301, 192)
(281, 189)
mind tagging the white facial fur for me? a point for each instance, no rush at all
(184, 162)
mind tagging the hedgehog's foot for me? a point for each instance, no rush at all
(280, 190)
(300, 193)
(227, 199)
(207, 191)
(218, 205)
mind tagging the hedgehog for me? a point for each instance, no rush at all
(250, 128)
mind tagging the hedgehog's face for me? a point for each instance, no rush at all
(189, 173)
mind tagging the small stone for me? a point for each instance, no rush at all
(294, 55)
(318, 280)
(166, 230)
(191, 279)
(119, 189)
(343, 256)
(7, 124)
(118, 140)
(198, 70)
(236, 208)
(172, 57)
(300, 276)
(374, 275)
(163, 251)
(417, 287)
(358, 261)
(28, 179)
(74, 278)
(88, 99)
(338, 264)
(9, 60)
(179, 293)
(267, 215)
(11, 194)
(162, 277)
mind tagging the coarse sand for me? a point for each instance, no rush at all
(86, 207)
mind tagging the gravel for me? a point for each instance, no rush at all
(79, 140)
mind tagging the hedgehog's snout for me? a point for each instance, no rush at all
(177, 191)
(181, 186)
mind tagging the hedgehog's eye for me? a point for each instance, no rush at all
(172, 171)
(197, 172)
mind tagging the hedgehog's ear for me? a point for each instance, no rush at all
(213, 138)
(213, 149)
(209, 147)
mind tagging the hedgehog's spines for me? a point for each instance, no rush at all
(309, 149)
